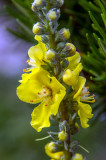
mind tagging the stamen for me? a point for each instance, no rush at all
(87, 92)
(85, 95)
(87, 87)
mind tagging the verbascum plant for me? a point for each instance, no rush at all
(53, 81)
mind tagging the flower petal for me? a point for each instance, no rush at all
(37, 52)
(31, 84)
(79, 86)
(40, 117)
(73, 61)
(57, 100)
(84, 112)
(56, 85)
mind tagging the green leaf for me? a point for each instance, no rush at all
(92, 46)
(27, 29)
(21, 8)
(100, 30)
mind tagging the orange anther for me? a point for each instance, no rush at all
(28, 61)
(93, 100)
(88, 92)
(44, 92)
(87, 87)
(39, 93)
(31, 100)
(24, 70)
(46, 104)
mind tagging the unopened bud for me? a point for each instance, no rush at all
(51, 147)
(60, 3)
(62, 136)
(77, 156)
(50, 54)
(70, 47)
(37, 28)
(65, 33)
(60, 45)
(36, 3)
(52, 15)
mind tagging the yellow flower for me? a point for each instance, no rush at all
(37, 53)
(77, 156)
(39, 87)
(81, 93)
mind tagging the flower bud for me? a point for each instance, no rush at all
(60, 3)
(37, 3)
(77, 156)
(70, 47)
(69, 77)
(37, 28)
(50, 54)
(65, 33)
(60, 45)
(53, 14)
(62, 136)
(52, 147)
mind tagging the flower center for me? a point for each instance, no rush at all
(85, 95)
(31, 62)
(45, 92)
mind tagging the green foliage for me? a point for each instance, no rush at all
(24, 18)
(95, 61)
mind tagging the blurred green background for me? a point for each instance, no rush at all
(17, 137)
